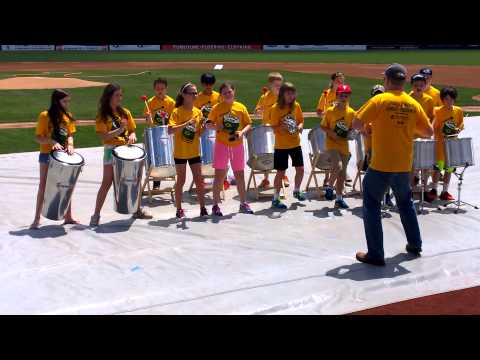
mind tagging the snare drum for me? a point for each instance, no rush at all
(423, 154)
(128, 162)
(459, 152)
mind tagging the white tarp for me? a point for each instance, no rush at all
(296, 262)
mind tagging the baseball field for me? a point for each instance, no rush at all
(27, 79)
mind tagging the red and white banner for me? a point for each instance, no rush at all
(81, 47)
(28, 47)
(134, 47)
(314, 47)
(211, 47)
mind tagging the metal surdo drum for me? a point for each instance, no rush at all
(317, 139)
(459, 152)
(159, 149)
(128, 162)
(423, 154)
(261, 146)
(63, 172)
(207, 146)
(359, 147)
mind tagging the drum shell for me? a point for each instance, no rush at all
(423, 154)
(261, 147)
(61, 180)
(207, 149)
(317, 139)
(159, 151)
(127, 183)
(459, 152)
(359, 147)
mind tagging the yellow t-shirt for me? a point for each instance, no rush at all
(443, 115)
(266, 101)
(45, 128)
(326, 100)
(186, 141)
(161, 109)
(394, 116)
(233, 116)
(427, 103)
(103, 126)
(435, 94)
(283, 139)
(333, 116)
(206, 102)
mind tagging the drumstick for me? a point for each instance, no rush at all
(144, 98)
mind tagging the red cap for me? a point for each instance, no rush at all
(144, 98)
(344, 88)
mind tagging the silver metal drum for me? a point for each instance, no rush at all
(459, 152)
(423, 154)
(207, 147)
(128, 162)
(159, 149)
(63, 172)
(317, 139)
(359, 147)
(261, 146)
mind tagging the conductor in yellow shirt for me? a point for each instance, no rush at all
(395, 117)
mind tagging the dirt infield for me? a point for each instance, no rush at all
(460, 302)
(36, 83)
(465, 76)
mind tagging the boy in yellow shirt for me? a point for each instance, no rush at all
(286, 119)
(264, 105)
(430, 89)
(161, 106)
(208, 97)
(337, 121)
(448, 120)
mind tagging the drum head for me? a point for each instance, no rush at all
(63, 157)
(128, 152)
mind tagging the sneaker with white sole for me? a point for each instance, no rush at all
(276, 203)
(245, 209)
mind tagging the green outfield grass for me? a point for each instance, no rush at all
(25, 105)
(433, 57)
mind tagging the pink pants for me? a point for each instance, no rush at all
(223, 153)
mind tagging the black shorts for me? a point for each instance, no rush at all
(280, 158)
(195, 160)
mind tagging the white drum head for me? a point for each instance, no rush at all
(63, 157)
(129, 152)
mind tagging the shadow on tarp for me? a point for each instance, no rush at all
(43, 232)
(182, 223)
(362, 272)
(116, 226)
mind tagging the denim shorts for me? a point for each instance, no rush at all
(107, 155)
(43, 158)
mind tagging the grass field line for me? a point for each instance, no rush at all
(29, 125)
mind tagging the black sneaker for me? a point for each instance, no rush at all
(413, 250)
(329, 193)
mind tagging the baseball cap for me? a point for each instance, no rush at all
(416, 77)
(377, 89)
(396, 71)
(426, 72)
(344, 89)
